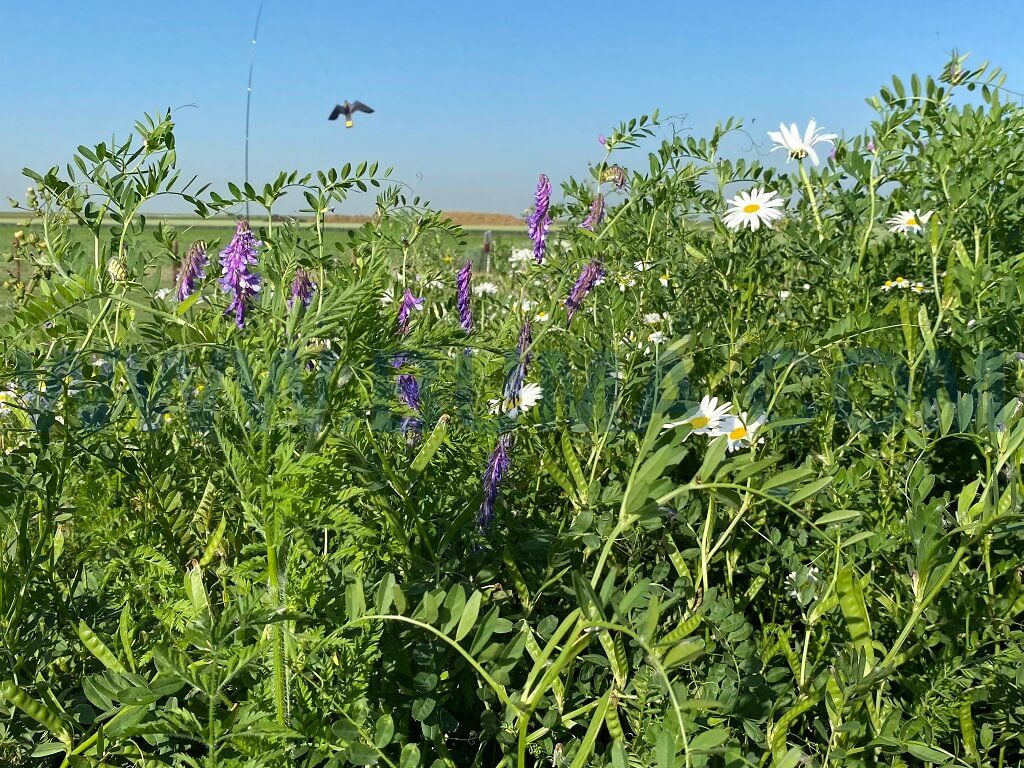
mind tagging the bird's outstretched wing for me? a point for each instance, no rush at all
(358, 106)
(335, 112)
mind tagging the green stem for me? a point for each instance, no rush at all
(813, 201)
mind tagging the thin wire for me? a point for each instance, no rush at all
(248, 95)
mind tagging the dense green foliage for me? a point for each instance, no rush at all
(220, 546)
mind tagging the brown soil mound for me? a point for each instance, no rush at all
(462, 218)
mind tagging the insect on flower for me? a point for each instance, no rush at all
(798, 147)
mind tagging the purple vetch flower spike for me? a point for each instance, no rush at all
(539, 221)
(408, 303)
(302, 288)
(601, 139)
(596, 214)
(237, 278)
(871, 146)
(497, 467)
(517, 377)
(409, 394)
(462, 283)
(584, 284)
(192, 270)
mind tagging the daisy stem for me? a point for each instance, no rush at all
(870, 222)
(814, 202)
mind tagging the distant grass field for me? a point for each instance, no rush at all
(217, 234)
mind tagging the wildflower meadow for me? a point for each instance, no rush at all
(716, 462)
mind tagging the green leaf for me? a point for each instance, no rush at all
(410, 757)
(851, 602)
(469, 616)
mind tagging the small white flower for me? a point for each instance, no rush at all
(739, 430)
(751, 209)
(485, 288)
(162, 293)
(887, 286)
(798, 147)
(526, 305)
(807, 286)
(436, 284)
(707, 418)
(971, 323)
(784, 294)
(664, 279)
(652, 318)
(917, 287)
(388, 297)
(520, 255)
(641, 266)
(657, 337)
(565, 245)
(542, 317)
(909, 221)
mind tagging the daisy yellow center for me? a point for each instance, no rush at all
(911, 222)
(699, 422)
(752, 208)
(739, 433)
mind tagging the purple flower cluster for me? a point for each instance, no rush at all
(517, 377)
(462, 283)
(192, 270)
(497, 467)
(596, 214)
(408, 303)
(584, 284)
(237, 279)
(302, 288)
(409, 394)
(539, 221)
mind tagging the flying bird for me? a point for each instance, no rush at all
(347, 110)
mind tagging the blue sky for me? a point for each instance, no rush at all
(473, 99)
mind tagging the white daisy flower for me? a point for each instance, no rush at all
(798, 147)
(739, 430)
(917, 287)
(641, 266)
(481, 289)
(784, 294)
(519, 255)
(664, 278)
(807, 286)
(751, 209)
(887, 286)
(657, 337)
(542, 317)
(707, 419)
(909, 221)
(652, 318)
(526, 305)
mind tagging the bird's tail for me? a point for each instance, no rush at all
(348, 123)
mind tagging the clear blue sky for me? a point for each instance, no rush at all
(473, 99)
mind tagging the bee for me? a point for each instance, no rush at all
(614, 174)
(117, 268)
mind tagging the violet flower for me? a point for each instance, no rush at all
(408, 303)
(596, 214)
(584, 284)
(462, 282)
(497, 467)
(517, 377)
(409, 394)
(539, 221)
(302, 288)
(238, 279)
(192, 270)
